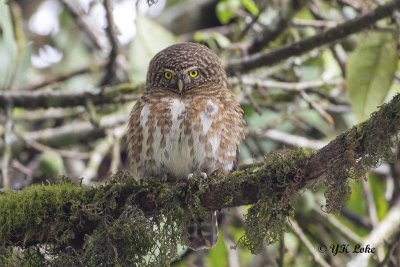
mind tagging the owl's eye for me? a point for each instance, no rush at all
(193, 73)
(168, 75)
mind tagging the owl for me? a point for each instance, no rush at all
(187, 121)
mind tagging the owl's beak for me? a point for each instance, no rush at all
(180, 85)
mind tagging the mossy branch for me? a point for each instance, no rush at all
(65, 213)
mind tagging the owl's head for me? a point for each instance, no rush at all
(185, 67)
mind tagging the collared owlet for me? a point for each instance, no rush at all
(187, 121)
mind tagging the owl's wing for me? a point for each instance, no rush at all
(134, 134)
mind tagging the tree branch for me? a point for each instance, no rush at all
(31, 100)
(69, 133)
(60, 78)
(270, 33)
(239, 188)
(110, 76)
(328, 36)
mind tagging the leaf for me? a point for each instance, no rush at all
(251, 7)
(370, 71)
(226, 10)
(218, 256)
(51, 164)
(378, 188)
(150, 39)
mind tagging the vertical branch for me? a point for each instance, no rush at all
(111, 75)
(5, 163)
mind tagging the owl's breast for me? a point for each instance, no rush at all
(179, 137)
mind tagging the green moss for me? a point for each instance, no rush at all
(366, 146)
(266, 220)
(56, 214)
(28, 211)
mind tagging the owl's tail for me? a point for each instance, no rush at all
(203, 234)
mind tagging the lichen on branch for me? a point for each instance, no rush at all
(128, 222)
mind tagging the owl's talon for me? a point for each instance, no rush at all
(164, 178)
(203, 175)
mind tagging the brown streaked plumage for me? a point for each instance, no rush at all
(186, 121)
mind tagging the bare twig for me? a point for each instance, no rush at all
(319, 24)
(289, 86)
(101, 150)
(43, 148)
(340, 227)
(289, 139)
(76, 11)
(7, 149)
(303, 238)
(388, 227)
(57, 79)
(316, 106)
(42, 115)
(73, 132)
(99, 96)
(372, 212)
(110, 76)
(22, 168)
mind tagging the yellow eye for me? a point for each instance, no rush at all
(193, 73)
(168, 75)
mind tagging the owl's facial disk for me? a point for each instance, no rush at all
(180, 81)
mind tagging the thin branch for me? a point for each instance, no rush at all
(307, 86)
(99, 96)
(356, 219)
(70, 133)
(57, 79)
(110, 76)
(43, 148)
(289, 139)
(101, 150)
(76, 11)
(372, 212)
(340, 227)
(303, 238)
(271, 32)
(253, 21)
(289, 86)
(318, 108)
(314, 23)
(248, 63)
(388, 227)
(46, 115)
(7, 149)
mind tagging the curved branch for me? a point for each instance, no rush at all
(76, 206)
